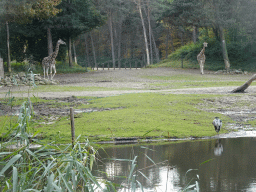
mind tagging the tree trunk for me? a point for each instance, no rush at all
(156, 49)
(111, 39)
(171, 40)
(150, 35)
(93, 50)
(74, 49)
(167, 42)
(144, 30)
(8, 48)
(224, 49)
(49, 41)
(87, 51)
(195, 34)
(181, 38)
(119, 44)
(244, 86)
(70, 52)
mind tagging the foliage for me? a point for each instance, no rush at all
(184, 13)
(24, 11)
(75, 18)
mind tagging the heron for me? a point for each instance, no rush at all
(217, 123)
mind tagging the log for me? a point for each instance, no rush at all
(244, 86)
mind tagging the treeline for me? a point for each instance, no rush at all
(121, 31)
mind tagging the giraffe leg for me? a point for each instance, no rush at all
(47, 72)
(54, 70)
(201, 63)
(44, 71)
(51, 71)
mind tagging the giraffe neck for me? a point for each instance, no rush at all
(55, 53)
(202, 52)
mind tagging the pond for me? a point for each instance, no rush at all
(223, 164)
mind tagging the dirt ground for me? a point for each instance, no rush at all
(128, 79)
(134, 81)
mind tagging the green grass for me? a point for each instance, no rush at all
(139, 115)
(195, 80)
(61, 88)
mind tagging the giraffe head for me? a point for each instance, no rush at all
(61, 42)
(205, 44)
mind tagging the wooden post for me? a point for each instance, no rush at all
(72, 122)
(103, 66)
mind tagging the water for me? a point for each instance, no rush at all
(231, 165)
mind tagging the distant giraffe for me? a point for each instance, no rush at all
(49, 62)
(201, 58)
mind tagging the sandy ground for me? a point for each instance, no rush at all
(127, 79)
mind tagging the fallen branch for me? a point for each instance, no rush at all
(244, 86)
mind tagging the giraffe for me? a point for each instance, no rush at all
(49, 62)
(201, 58)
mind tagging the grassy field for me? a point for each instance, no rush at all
(140, 115)
(130, 115)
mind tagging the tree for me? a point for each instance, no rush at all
(76, 17)
(139, 6)
(22, 11)
(221, 14)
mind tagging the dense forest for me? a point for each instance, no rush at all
(124, 31)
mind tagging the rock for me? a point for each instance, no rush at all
(41, 83)
(21, 74)
(37, 78)
(238, 72)
(54, 83)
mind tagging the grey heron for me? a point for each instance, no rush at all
(217, 123)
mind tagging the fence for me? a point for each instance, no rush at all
(124, 64)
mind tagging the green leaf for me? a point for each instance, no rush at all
(65, 182)
(132, 168)
(50, 183)
(206, 161)
(141, 187)
(15, 179)
(10, 163)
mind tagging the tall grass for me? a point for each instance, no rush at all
(47, 167)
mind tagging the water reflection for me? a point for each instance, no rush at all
(229, 165)
(218, 149)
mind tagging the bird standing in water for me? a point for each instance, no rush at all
(217, 123)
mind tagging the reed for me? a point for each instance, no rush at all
(47, 167)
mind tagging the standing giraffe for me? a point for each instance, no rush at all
(201, 58)
(49, 62)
